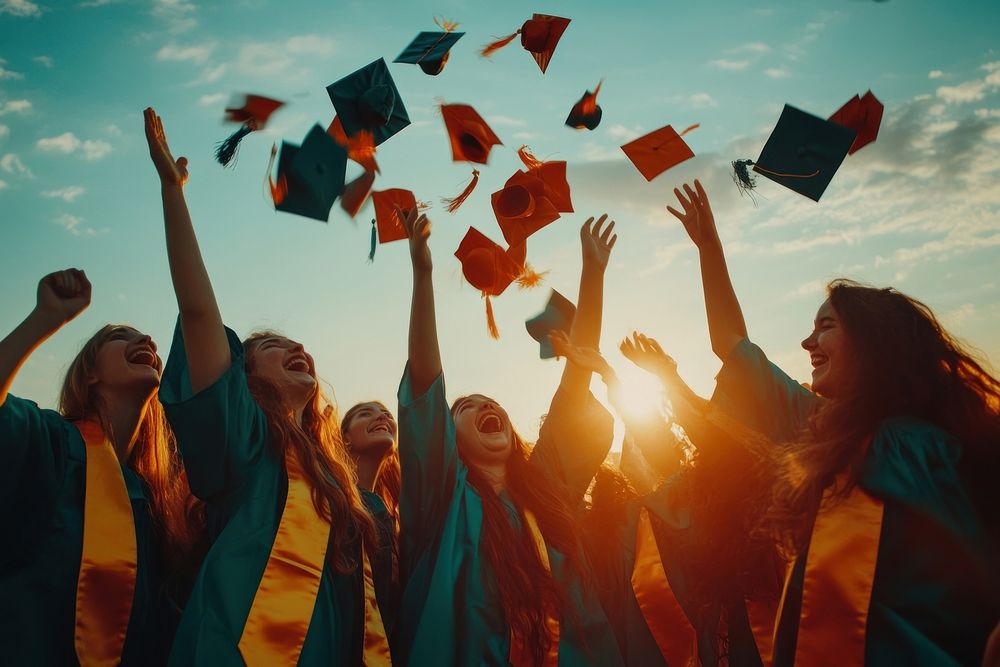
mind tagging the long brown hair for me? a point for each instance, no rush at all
(905, 364)
(526, 590)
(388, 479)
(177, 516)
(319, 448)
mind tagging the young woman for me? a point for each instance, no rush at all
(491, 559)
(284, 581)
(94, 500)
(886, 478)
(369, 433)
(688, 582)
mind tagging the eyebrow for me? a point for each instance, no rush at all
(826, 318)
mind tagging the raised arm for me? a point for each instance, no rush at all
(597, 242)
(201, 323)
(423, 351)
(61, 296)
(726, 326)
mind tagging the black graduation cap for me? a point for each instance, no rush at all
(369, 100)
(803, 153)
(310, 176)
(430, 50)
(558, 315)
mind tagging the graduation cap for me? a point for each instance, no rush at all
(356, 193)
(310, 176)
(368, 100)
(430, 50)
(532, 198)
(557, 316)
(539, 36)
(864, 116)
(390, 227)
(252, 114)
(659, 150)
(585, 114)
(802, 153)
(471, 140)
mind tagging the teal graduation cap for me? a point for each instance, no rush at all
(803, 153)
(430, 50)
(368, 99)
(558, 315)
(310, 176)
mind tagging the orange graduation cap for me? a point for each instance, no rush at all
(539, 36)
(390, 227)
(252, 114)
(471, 140)
(585, 114)
(522, 207)
(658, 151)
(864, 116)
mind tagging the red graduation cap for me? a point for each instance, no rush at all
(253, 114)
(658, 151)
(864, 116)
(471, 138)
(360, 146)
(539, 36)
(522, 207)
(585, 114)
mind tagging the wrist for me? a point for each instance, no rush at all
(44, 322)
(171, 187)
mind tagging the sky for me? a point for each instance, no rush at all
(918, 210)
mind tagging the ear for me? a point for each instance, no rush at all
(92, 380)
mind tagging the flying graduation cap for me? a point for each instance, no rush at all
(471, 140)
(864, 116)
(539, 36)
(532, 198)
(387, 222)
(430, 50)
(368, 99)
(659, 150)
(310, 176)
(585, 114)
(802, 153)
(252, 115)
(557, 316)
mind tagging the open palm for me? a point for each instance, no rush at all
(647, 354)
(597, 242)
(171, 171)
(697, 217)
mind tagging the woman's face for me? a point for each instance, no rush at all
(126, 362)
(830, 353)
(485, 435)
(286, 365)
(371, 431)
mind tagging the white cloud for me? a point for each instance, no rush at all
(4, 131)
(8, 74)
(696, 100)
(525, 136)
(95, 149)
(113, 130)
(67, 194)
(731, 65)
(277, 58)
(509, 121)
(97, 3)
(622, 133)
(19, 8)
(970, 91)
(11, 164)
(987, 113)
(197, 53)
(935, 74)
(753, 47)
(210, 74)
(45, 61)
(777, 72)
(15, 106)
(3, 184)
(209, 100)
(67, 142)
(74, 225)
(310, 45)
(177, 14)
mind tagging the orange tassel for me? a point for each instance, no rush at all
(361, 149)
(693, 127)
(356, 193)
(447, 26)
(453, 203)
(423, 205)
(495, 46)
(529, 277)
(529, 160)
(491, 323)
(280, 189)
(590, 104)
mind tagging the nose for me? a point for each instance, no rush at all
(297, 347)
(809, 344)
(145, 339)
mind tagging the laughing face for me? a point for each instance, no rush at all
(483, 429)
(127, 360)
(829, 352)
(285, 364)
(371, 430)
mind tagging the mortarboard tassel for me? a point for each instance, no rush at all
(689, 128)
(280, 189)
(356, 193)
(495, 46)
(447, 26)
(529, 160)
(453, 203)
(491, 323)
(589, 105)
(529, 277)
(361, 149)
(741, 175)
(225, 151)
(374, 242)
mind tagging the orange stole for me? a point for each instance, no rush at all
(837, 588)
(106, 585)
(283, 605)
(376, 650)
(664, 616)
(519, 655)
(762, 617)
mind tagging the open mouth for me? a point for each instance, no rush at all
(297, 365)
(381, 427)
(489, 423)
(818, 360)
(143, 357)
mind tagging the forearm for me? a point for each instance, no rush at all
(726, 326)
(586, 329)
(19, 344)
(423, 350)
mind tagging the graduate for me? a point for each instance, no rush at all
(491, 557)
(283, 582)
(94, 500)
(885, 477)
(688, 581)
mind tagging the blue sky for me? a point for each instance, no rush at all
(919, 209)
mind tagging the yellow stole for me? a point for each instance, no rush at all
(106, 584)
(376, 643)
(664, 616)
(519, 654)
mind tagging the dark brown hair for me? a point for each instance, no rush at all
(388, 479)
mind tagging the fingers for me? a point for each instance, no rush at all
(692, 196)
(614, 240)
(597, 227)
(607, 230)
(706, 206)
(674, 212)
(688, 208)
(585, 230)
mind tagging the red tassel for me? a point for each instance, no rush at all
(453, 203)
(491, 323)
(356, 193)
(361, 149)
(529, 160)
(447, 26)
(495, 46)
(529, 277)
(280, 189)
(693, 127)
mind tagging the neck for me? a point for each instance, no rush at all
(124, 415)
(367, 468)
(496, 476)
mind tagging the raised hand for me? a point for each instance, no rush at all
(63, 295)
(585, 357)
(647, 354)
(697, 217)
(597, 243)
(172, 172)
(418, 230)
